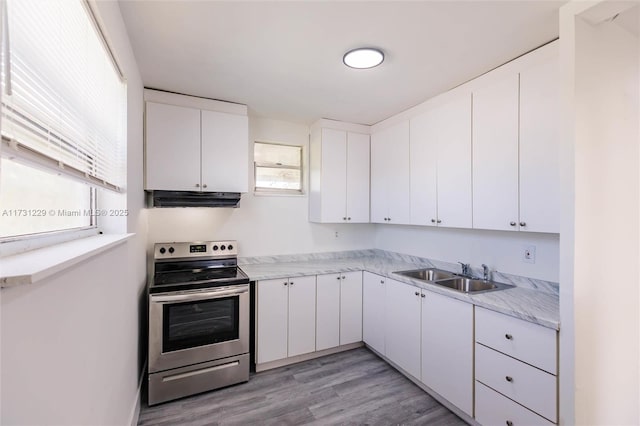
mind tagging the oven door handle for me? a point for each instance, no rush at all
(216, 294)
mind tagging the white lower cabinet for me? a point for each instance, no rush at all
(302, 315)
(273, 313)
(338, 309)
(373, 308)
(516, 361)
(286, 318)
(328, 311)
(494, 409)
(447, 349)
(402, 326)
(524, 384)
(351, 308)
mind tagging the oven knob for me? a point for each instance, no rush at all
(171, 250)
(222, 247)
(215, 248)
(162, 250)
(230, 247)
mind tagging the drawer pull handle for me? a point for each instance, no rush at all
(417, 293)
(508, 337)
(509, 379)
(509, 423)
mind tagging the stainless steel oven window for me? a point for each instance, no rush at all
(199, 323)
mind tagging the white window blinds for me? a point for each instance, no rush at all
(63, 101)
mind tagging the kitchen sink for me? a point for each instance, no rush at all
(471, 285)
(453, 281)
(429, 274)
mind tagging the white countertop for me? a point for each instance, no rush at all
(536, 306)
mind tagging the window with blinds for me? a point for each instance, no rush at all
(63, 113)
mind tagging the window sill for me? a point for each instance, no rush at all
(279, 194)
(36, 265)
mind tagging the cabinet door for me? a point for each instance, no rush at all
(398, 187)
(225, 152)
(302, 315)
(350, 308)
(373, 303)
(379, 176)
(539, 141)
(447, 349)
(172, 147)
(454, 163)
(423, 147)
(334, 176)
(328, 311)
(495, 155)
(358, 159)
(402, 326)
(272, 303)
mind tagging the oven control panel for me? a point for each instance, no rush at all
(227, 248)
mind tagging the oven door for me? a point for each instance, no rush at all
(197, 326)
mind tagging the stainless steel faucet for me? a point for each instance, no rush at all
(465, 269)
(485, 272)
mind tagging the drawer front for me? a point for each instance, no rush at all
(527, 385)
(528, 342)
(493, 409)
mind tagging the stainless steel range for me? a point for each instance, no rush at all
(198, 319)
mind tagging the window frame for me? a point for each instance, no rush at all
(278, 191)
(16, 244)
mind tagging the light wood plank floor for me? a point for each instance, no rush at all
(349, 388)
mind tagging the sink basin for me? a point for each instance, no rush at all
(471, 285)
(428, 274)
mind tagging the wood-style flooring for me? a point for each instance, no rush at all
(349, 388)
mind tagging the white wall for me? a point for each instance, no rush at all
(501, 251)
(69, 346)
(599, 300)
(71, 343)
(263, 225)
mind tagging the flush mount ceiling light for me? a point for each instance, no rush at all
(363, 58)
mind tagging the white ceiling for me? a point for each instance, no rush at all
(284, 59)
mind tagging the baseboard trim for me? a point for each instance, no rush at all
(135, 412)
(305, 357)
(464, 416)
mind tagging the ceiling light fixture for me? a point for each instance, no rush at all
(362, 58)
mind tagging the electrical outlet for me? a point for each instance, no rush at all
(336, 234)
(529, 254)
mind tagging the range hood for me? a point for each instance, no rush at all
(192, 199)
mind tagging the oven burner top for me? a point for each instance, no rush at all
(187, 274)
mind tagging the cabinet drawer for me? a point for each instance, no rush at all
(528, 342)
(527, 385)
(493, 408)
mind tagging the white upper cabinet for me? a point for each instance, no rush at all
(225, 152)
(194, 144)
(495, 155)
(440, 145)
(339, 177)
(172, 147)
(390, 176)
(358, 159)
(423, 149)
(539, 141)
(515, 147)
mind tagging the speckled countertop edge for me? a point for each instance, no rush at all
(531, 305)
